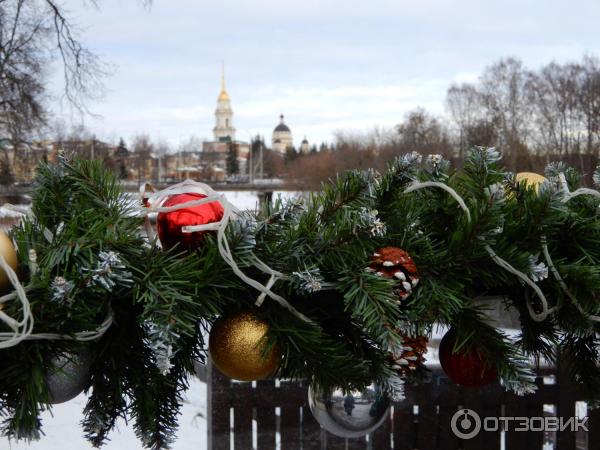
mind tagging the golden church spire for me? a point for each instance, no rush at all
(223, 95)
(224, 129)
(223, 75)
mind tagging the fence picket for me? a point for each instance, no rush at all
(404, 426)
(381, 437)
(427, 417)
(311, 431)
(422, 421)
(218, 410)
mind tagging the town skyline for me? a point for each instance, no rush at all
(306, 60)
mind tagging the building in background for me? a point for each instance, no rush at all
(304, 147)
(224, 129)
(282, 137)
(220, 159)
(215, 152)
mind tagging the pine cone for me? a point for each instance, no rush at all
(395, 263)
(411, 357)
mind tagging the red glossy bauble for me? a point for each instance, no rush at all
(467, 368)
(168, 224)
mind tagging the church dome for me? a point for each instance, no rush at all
(282, 137)
(282, 127)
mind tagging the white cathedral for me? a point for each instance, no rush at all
(215, 152)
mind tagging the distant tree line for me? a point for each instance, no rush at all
(532, 116)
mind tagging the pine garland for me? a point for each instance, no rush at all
(93, 260)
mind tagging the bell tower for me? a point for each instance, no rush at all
(224, 129)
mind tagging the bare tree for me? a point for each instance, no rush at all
(143, 149)
(589, 100)
(23, 32)
(504, 89)
(161, 149)
(422, 132)
(34, 33)
(559, 119)
(464, 104)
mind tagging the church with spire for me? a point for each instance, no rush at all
(216, 151)
(224, 129)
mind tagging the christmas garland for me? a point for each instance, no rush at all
(341, 288)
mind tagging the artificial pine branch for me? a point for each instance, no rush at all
(98, 261)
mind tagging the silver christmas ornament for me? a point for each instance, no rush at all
(68, 376)
(349, 415)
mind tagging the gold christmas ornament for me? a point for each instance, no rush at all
(7, 249)
(237, 343)
(531, 179)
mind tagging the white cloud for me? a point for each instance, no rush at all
(329, 65)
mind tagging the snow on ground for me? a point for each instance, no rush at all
(249, 199)
(62, 428)
(63, 431)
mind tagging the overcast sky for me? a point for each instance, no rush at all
(328, 65)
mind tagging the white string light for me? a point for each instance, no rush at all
(425, 184)
(562, 283)
(23, 329)
(567, 195)
(155, 202)
(538, 317)
(581, 191)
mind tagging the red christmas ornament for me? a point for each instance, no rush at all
(396, 264)
(468, 368)
(168, 224)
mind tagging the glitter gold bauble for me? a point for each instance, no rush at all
(7, 249)
(531, 179)
(237, 343)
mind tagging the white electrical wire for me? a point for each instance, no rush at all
(581, 191)
(562, 284)
(425, 184)
(567, 195)
(155, 201)
(538, 317)
(23, 329)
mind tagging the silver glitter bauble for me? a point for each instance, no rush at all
(68, 376)
(349, 415)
